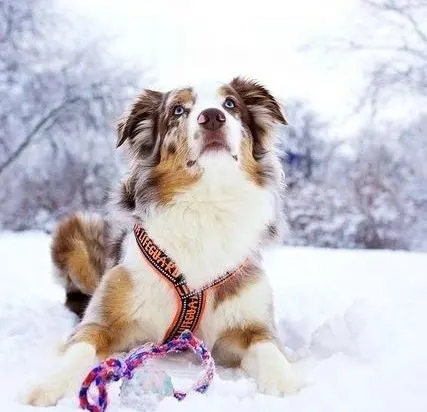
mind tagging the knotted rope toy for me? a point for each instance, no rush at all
(114, 369)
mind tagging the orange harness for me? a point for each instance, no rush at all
(190, 303)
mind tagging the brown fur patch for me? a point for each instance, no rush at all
(83, 274)
(171, 175)
(248, 335)
(172, 148)
(77, 251)
(168, 123)
(240, 111)
(261, 112)
(115, 315)
(116, 302)
(233, 342)
(256, 97)
(100, 336)
(145, 108)
(180, 96)
(246, 276)
(253, 169)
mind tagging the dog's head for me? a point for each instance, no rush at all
(175, 137)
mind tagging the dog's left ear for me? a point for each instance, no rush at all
(139, 122)
(260, 103)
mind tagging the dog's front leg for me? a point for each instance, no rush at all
(254, 348)
(69, 372)
(101, 332)
(269, 367)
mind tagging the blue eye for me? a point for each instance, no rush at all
(229, 103)
(179, 110)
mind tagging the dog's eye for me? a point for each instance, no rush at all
(179, 110)
(229, 103)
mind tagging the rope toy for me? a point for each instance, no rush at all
(113, 369)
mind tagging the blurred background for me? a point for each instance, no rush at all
(351, 74)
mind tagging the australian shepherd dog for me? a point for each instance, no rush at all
(204, 188)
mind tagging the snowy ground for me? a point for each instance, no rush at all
(357, 318)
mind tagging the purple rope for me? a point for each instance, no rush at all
(113, 369)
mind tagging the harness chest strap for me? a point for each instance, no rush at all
(190, 303)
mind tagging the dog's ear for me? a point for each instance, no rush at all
(141, 118)
(263, 107)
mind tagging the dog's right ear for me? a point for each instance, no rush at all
(141, 119)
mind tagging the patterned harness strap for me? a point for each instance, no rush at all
(190, 303)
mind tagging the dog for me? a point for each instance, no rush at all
(204, 191)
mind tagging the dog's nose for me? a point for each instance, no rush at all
(211, 119)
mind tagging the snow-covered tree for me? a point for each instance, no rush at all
(59, 96)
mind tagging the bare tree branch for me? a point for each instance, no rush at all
(402, 11)
(393, 49)
(49, 117)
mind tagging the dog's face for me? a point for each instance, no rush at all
(178, 134)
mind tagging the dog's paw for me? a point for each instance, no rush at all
(65, 377)
(279, 378)
(50, 391)
(46, 394)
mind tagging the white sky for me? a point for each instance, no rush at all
(188, 41)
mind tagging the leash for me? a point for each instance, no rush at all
(114, 369)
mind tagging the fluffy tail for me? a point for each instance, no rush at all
(78, 254)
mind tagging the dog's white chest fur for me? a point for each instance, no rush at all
(215, 225)
(210, 229)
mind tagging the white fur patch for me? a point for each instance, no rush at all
(215, 225)
(70, 370)
(251, 305)
(271, 370)
(209, 97)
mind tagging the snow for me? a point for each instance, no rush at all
(355, 321)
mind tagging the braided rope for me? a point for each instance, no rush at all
(113, 369)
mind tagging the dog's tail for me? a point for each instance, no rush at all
(78, 255)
